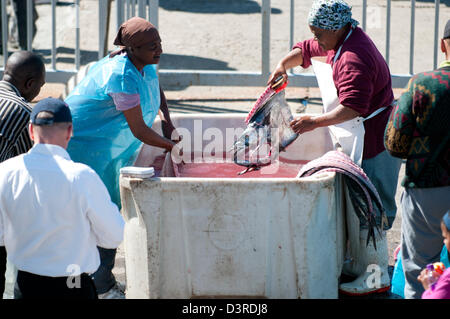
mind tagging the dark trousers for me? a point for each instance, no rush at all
(2, 270)
(103, 278)
(41, 287)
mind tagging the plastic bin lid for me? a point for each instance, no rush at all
(140, 172)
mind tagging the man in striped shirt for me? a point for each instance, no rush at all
(23, 78)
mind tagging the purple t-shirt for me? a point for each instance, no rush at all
(363, 82)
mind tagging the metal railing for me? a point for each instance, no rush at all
(149, 9)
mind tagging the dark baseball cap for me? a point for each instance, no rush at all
(447, 30)
(59, 109)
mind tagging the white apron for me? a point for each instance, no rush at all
(349, 135)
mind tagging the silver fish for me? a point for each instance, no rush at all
(268, 132)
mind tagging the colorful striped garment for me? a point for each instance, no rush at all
(419, 129)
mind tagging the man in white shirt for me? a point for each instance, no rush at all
(55, 212)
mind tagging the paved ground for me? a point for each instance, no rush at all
(225, 35)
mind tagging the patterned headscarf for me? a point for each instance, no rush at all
(330, 14)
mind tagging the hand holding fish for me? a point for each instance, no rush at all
(291, 60)
(278, 77)
(177, 154)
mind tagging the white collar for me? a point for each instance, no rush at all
(50, 149)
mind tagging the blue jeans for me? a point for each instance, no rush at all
(103, 278)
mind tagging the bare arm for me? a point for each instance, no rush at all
(292, 59)
(144, 133)
(338, 115)
(168, 129)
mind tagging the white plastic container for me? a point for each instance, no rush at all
(233, 237)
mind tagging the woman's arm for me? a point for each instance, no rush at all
(338, 115)
(292, 59)
(144, 133)
(167, 127)
(300, 55)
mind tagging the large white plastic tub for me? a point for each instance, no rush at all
(233, 237)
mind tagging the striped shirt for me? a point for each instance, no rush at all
(14, 119)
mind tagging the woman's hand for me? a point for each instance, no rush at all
(292, 59)
(425, 279)
(279, 71)
(304, 123)
(177, 154)
(170, 132)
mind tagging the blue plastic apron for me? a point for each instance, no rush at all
(102, 138)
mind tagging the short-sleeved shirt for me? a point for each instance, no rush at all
(363, 82)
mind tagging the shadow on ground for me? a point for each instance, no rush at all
(446, 2)
(85, 56)
(58, 3)
(198, 105)
(168, 61)
(214, 6)
(189, 62)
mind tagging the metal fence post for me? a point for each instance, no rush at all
(265, 54)
(29, 24)
(141, 8)
(364, 15)
(54, 34)
(153, 12)
(291, 24)
(388, 30)
(119, 13)
(4, 32)
(411, 44)
(104, 7)
(436, 32)
(77, 35)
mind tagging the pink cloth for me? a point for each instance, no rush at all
(363, 82)
(339, 162)
(441, 289)
(336, 161)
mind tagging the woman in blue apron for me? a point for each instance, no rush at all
(113, 109)
(355, 84)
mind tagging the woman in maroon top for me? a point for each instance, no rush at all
(363, 85)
